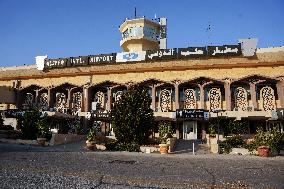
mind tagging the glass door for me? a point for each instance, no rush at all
(189, 130)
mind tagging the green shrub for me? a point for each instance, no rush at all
(130, 147)
(91, 135)
(272, 138)
(165, 131)
(111, 146)
(29, 128)
(251, 147)
(79, 128)
(212, 127)
(232, 142)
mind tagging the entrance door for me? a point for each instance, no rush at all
(189, 130)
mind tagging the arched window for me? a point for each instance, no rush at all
(268, 98)
(76, 102)
(61, 102)
(190, 99)
(215, 99)
(100, 98)
(165, 100)
(241, 99)
(29, 100)
(43, 104)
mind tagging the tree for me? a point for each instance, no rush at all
(132, 117)
(29, 126)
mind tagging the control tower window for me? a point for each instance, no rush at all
(150, 32)
(125, 34)
(136, 31)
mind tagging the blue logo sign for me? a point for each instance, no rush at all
(130, 56)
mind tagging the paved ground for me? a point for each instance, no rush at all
(186, 146)
(73, 167)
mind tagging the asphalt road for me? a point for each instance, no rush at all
(71, 166)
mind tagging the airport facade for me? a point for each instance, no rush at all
(188, 86)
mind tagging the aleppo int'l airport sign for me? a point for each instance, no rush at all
(150, 55)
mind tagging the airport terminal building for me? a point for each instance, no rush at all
(189, 86)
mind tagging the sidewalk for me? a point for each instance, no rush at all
(80, 147)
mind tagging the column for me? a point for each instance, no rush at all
(36, 97)
(153, 104)
(252, 89)
(69, 98)
(203, 131)
(177, 129)
(176, 96)
(49, 98)
(280, 92)
(227, 87)
(18, 98)
(109, 98)
(85, 103)
(201, 88)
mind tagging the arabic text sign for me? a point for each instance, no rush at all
(225, 50)
(130, 56)
(161, 54)
(55, 63)
(192, 52)
(192, 113)
(102, 58)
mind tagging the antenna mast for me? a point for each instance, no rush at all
(135, 16)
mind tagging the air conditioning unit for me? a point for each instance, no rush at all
(96, 105)
(250, 108)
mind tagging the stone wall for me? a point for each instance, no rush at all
(185, 75)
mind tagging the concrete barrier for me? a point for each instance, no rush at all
(146, 149)
(57, 139)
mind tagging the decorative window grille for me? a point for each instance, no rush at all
(100, 98)
(61, 102)
(76, 102)
(215, 99)
(241, 99)
(29, 100)
(268, 98)
(43, 104)
(165, 100)
(190, 99)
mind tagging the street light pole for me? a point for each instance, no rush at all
(218, 121)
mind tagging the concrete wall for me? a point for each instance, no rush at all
(7, 95)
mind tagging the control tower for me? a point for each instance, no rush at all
(141, 34)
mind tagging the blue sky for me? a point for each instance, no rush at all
(64, 28)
